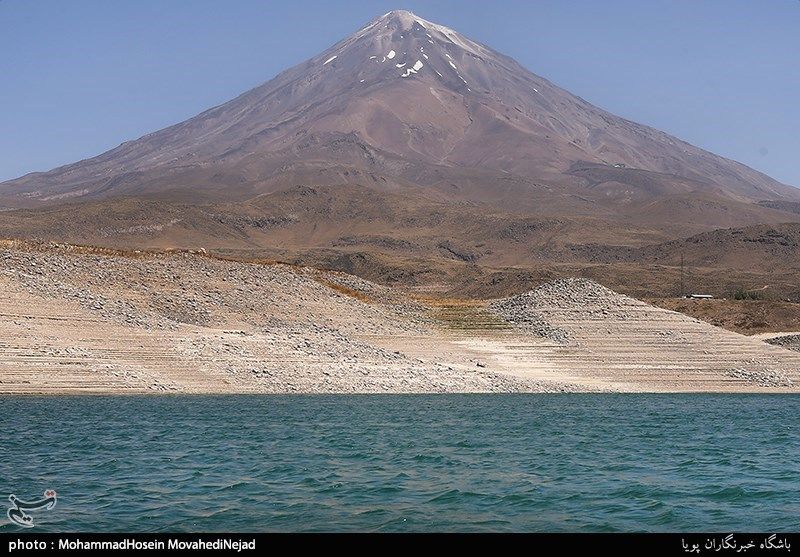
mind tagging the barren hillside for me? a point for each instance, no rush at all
(85, 320)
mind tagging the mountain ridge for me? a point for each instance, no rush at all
(405, 142)
(259, 123)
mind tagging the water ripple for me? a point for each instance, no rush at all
(374, 463)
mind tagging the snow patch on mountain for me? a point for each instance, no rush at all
(418, 65)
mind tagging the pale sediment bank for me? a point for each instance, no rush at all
(81, 321)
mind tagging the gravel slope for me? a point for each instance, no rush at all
(84, 320)
(72, 321)
(616, 338)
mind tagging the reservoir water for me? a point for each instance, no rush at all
(392, 463)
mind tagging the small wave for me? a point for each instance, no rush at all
(452, 495)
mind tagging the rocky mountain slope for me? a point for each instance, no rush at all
(404, 100)
(410, 148)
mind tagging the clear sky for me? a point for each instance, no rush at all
(79, 77)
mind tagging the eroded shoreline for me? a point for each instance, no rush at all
(76, 322)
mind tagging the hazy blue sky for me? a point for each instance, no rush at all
(79, 77)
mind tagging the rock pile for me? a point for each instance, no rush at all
(790, 342)
(764, 377)
(581, 298)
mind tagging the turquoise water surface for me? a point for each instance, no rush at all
(405, 463)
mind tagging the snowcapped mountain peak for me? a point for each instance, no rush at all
(403, 16)
(405, 21)
(400, 44)
(403, 96)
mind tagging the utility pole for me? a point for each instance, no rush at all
(683, 292)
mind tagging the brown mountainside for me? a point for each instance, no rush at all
(411, 149)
